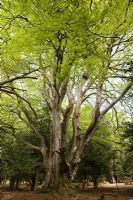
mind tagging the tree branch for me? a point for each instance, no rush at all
(19, 77)
(128, 87)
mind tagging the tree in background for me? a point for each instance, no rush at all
(97, 157)
(128, 137)
(18, 162)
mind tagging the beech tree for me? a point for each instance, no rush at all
(81, 53)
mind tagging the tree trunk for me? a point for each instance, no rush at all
(53, 162)
(95, 182)
(55, 145)
(17, 184)
(12, 183)
(34, 180)
(52, 177)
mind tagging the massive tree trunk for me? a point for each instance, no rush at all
(53, 161)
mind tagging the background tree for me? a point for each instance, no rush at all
(128, 136)
(18, 163)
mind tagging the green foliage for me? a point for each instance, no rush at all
(96, 160)
(41, 21)
(16, 159)
(128, 137)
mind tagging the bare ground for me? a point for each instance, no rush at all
(123, 193)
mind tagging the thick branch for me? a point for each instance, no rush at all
(31, 145)
(127, 88)
(19, 97)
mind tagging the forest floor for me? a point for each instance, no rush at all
(123, 193)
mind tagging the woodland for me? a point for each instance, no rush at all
(66, 98)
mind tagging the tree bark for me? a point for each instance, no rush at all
(12, 183)
(55, 144)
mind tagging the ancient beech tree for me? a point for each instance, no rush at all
(83, 50)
